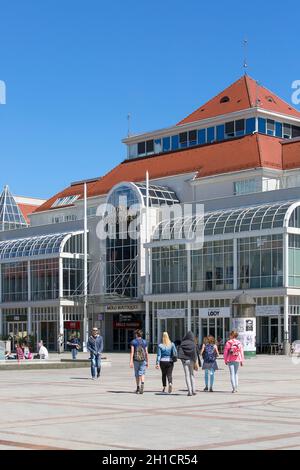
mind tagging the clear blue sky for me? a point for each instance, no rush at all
(75, 68)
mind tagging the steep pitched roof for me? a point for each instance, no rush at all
(243, 94)
(11, 216)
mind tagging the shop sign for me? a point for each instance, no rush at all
(72, 325)
(266, 310)
(246, 328)
(218, 312)
(127, 325)
(124, 308)
(12, 318)
(163, 314)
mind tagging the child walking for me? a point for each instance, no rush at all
(209, 353)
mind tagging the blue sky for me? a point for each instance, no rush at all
(74, 69)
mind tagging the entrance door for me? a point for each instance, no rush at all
(122, 339)
(175, 328)
(49, 335)
(217, 327)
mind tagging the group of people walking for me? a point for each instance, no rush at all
(192, 357)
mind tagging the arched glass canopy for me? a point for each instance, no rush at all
(136, 193)
(242, 219)
(34, 246)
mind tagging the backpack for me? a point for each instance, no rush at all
(234, 349)
(140, 352)
(209, 353)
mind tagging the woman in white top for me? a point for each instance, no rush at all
(43, 351)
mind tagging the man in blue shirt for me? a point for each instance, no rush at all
(95, 348)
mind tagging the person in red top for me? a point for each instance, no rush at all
(233, 357)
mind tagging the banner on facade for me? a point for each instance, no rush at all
(124, 308)
(163, 314)
(246, 328)
(218, 312)
(267, 310)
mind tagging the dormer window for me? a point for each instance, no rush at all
(225, 99)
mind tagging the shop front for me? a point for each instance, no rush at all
(71, 329)
(215, 321)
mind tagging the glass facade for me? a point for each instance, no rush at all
(260, 262)
(44, 279)
(73, 277)
(212, 267)
(169, 269)
(14, 282)
(122, 249)
(259, 258)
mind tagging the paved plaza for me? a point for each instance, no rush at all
(65, 409)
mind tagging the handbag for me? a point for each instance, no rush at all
(173, 356)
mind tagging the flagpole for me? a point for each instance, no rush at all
(147, 262)
(85, 270)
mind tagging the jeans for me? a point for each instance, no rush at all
(211, 372)
(188, 367)
(167, 371)
(95, 364)
(233, 369)
(139, 368)
(74, 353)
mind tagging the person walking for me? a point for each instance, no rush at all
(209, 352)
(95, 348)
(166, 356)
(74, 344)
(233, 357)
(187, 352)
(139, 360)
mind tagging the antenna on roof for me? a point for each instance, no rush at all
(245, 46)
(129, 124)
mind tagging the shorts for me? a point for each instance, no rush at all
(139, 368)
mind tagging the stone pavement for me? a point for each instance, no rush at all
(65, 409)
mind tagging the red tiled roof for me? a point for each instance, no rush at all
(237, 154)
(26, 210)
(245, 93)
(73, 190)
(250, 151)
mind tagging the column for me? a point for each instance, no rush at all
(29, 310)
(153, 327)
(147, 321)
(61, 320)
(158, 331)
(1, 312)
(286, 344)
(235, 264)
(189, 315)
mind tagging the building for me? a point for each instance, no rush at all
(239, 156)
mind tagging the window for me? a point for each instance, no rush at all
(132, 151)
(287, 131)
(166, 144)
(270, 127)
(245, 186)
(229, 129)
(262, 125)
(295, 131)
(157, 146)
(141, 148)
(65, 201)
(70, 217)
(240, 127)
(183, 139)
(91, 211)
(149, 146)
(192, 138)
(175, 142)
(225, 99)
(201, 136)
(210, 134)
(56, 220)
